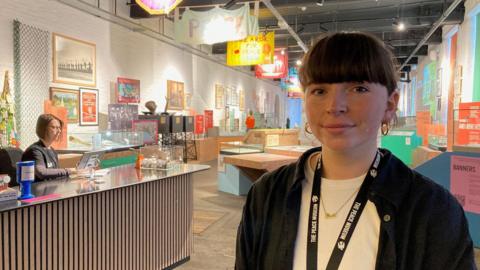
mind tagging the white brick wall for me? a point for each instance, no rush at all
(124, 53)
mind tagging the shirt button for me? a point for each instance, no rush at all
(386, 218)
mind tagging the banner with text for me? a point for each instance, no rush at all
(215, 26)
(253, 50)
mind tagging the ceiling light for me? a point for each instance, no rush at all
(283, 52)
(320, 3)
(303, 8)
(401, 26)
(299, 62)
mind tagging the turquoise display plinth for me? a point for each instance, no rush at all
(402, 144)
(233, 181)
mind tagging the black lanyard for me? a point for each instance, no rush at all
(349, 224)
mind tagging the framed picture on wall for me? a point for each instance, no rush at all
(219, 96)
(73, 61)
(241, 100)
(128, 90)
(121, 116)
(188, 100)
(175, 95)
(68, 99)
(88, 107)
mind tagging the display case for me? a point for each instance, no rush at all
(237, 148)
(109, 141)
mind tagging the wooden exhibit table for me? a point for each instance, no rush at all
(288, 150)
(254, 165)
(423, 154)
(272, 137)
(207, 149)
(135, 219)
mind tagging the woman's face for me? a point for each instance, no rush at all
(347, 116)
(54, 129)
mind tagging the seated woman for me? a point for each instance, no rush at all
(48, 129)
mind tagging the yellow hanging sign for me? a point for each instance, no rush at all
(254, 50)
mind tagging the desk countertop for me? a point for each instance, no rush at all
(118, 177)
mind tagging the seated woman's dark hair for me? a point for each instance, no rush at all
(349, 57)
(42, 124)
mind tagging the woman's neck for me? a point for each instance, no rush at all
(341, 165)
(46, 143)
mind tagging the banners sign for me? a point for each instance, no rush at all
(465, 182)
(215, 26)
(277, 70)
(158, 7)
(253, 50)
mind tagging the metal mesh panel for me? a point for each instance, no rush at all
(31, 73)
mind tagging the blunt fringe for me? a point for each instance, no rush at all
(349, 57)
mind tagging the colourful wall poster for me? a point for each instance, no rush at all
(253, 50)
(468, 131)
(128, 90)
(465, 182)
(62, 114)
(208, 119)
(199, 124)
(88, 107)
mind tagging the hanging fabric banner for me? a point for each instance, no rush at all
(253, 50)
(292, 84)
(277, 70)
(215, 26)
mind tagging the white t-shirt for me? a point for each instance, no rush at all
(361, 252)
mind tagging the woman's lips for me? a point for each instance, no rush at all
(337, 128)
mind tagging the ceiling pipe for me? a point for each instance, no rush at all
(430, 33)
(282, 21)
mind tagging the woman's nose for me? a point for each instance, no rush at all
(337, 102)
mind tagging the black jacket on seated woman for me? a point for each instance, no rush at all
(49, 129)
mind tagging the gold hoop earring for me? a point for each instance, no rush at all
(385, 128)
(308, 129)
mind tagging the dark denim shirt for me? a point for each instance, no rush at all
(422, 224)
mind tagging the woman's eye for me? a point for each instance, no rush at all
(317, 91)
(360, 89)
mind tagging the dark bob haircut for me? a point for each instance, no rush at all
(42, 124)
(349, 57)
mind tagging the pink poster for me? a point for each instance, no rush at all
(465, 182)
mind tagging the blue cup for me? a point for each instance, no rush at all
(25, 177)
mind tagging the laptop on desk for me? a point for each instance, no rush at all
(90, 160)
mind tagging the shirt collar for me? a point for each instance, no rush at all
(391, 183)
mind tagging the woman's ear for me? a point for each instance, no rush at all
(392, 104)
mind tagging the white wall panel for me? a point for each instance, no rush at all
(125, 53)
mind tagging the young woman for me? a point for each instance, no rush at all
(48, 130)
(348, 204)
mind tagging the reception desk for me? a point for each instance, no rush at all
(135, 219)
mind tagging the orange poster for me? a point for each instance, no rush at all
(61, 113)
(88, 107)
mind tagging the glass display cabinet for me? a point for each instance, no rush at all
(108, 141)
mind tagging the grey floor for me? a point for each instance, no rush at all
(215, 247)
